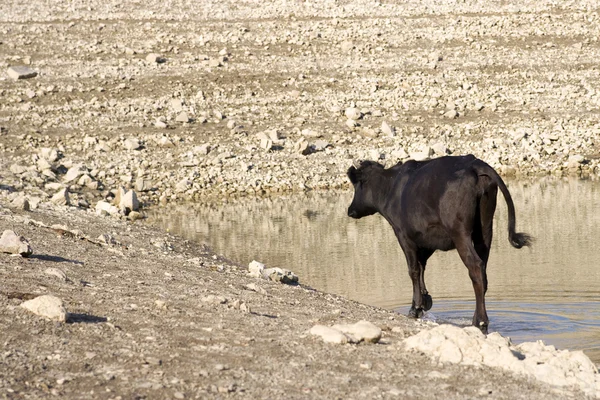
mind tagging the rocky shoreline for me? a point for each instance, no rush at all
(108, 108)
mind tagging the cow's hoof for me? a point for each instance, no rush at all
(483, 326)
(427, 302)
(415, 312)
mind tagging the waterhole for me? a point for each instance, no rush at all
(548, 292)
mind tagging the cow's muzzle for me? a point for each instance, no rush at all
(352, 213)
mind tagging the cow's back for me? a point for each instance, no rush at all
(431, 196)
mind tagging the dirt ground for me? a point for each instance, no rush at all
(154, 316)
(239, 98)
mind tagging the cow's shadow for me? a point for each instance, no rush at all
(75, 318)
(46, 257)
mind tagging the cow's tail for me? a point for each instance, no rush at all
(516, 239)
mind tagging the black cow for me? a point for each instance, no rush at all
(440, 204)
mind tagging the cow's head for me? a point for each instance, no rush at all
(363, 203)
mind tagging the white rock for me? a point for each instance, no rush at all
(47, 306)
(182, 185)
(353, 113)
(12, 243)
(74, 173)
(60, 274)
(329, 335)
(132, 144)
(61, 197)
(256, 268)
(129, 202)
(21, 203)
(49, 154)
(439, 149)
(155, 58)
(105, 207)
(277, 274)
(387, 130)
(182, 117)
(451, 114)
(361, 331)
(21, 72)
(468, 346)
(421, 155)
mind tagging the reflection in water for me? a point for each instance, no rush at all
(548, 292)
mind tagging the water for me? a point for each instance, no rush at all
(549, 292)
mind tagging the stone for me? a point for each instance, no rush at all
(21, 72)
(132, 144)
(74, 173)
(129, 202)
(21, 203)
(451, 114)
(106, 208)
(303, 147)
(160, 124)
(143, 185)
(61, 197)
(468, 346)
(321, 144)
(421, 155)
(43, 164)
(155, 58)
(387, 130)
(361, 331)
(49, 154)
(439, 149)
(182, 185)
(353, 113)
(47, 306)
(256, 268)
(176, 105)
(60, 274)
(12, 243)
(182, 117)
(329, 335)
(266, 144)
(350, 123)
(17, 169)
(277, 274)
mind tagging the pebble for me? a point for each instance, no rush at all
(155, 58)
(58, 273)
(387, 130)
(12, 243)
(21, 72)
(21, 203)
(362, 331)
(61, 198)
(132, 144)
(129, 202)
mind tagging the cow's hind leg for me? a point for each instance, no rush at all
(483, 228)
(476, 267)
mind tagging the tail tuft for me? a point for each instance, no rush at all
(519, 240)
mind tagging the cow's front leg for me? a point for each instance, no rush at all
(422, 257)
(414, 271)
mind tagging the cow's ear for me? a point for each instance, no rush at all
(352, 175)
